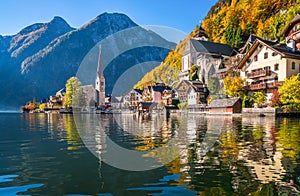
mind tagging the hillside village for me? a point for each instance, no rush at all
(214, 78)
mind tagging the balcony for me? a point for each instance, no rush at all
(257, 74)
(274, 84)
(257, 86)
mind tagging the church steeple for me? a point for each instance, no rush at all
(100, 81)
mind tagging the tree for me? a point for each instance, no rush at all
(247, 102)
(234, 87)
(72, 86)
(290, 92)
(193, 72)
(42, 106)
(275, 98)
(79, 99)
(213, 85)
(259, 97)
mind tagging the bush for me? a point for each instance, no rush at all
(247, 102)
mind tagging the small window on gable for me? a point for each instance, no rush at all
(276, 67)
(265, 55)
(293, 65)
(274, 53)
(255, 58)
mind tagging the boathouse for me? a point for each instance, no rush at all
(225, 106)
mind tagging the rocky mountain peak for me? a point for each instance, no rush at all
(59, 23)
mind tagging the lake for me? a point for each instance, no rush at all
(54, 154)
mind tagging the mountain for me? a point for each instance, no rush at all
(37, 36)
(38, 60)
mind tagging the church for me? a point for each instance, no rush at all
(209, 57)
(95, 95)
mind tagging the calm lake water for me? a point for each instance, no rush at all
(46, 154)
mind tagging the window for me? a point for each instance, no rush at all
(274, 53)
(265, 55)
(255, 58)
(276, 67)
(293, 65)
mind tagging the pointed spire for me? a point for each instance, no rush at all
(100, 67)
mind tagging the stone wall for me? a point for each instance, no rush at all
(258, 111)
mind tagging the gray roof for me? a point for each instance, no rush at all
(161, 88)
(282, 48)
(288, 53)
(211, 47)
(223, 103)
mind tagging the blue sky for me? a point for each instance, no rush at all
(180, 14)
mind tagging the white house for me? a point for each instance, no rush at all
(132, 98)
(266, 65)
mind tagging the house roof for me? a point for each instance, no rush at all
(161, 88)
(280, 48)
(287, 53)
(201, 32)
(138, 91)
(114, 99)
(211, 47)
(63, 90)
(290, 25)
(249, 42)
(197, 86)
(223, 103)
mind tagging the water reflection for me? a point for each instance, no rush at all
(14, 190)
(214, 155)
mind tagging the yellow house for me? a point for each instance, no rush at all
(267, 64)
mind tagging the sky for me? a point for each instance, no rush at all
(183, 15)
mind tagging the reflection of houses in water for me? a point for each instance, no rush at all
(263, 158)
(199, 134)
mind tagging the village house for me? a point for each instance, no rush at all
(209, 57)
(192, 92)
(132, 99)
(158, 93)
(56, 101)
(225, 106)
(266, 65)
(292, 34)
(116, 102)
(167, 96)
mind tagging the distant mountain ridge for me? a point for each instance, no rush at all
(37, 61)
